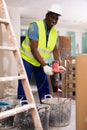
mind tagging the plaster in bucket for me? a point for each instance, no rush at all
(24, 121)
(5, 105)
(60, 110)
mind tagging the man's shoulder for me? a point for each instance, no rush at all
(32, 26)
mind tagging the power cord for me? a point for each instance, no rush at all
(40, 87)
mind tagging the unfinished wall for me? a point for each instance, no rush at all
(8, 65)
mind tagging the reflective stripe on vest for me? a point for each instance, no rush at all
(44, 51)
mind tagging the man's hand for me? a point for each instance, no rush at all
(48, 70)
(62, 68)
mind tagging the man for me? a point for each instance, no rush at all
(36, 49)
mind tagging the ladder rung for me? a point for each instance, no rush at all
(8, 48)
(11, 78)
(17, 110)
(4, 21)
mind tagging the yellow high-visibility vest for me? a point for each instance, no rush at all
(44, 50)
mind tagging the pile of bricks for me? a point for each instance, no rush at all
(69, 78)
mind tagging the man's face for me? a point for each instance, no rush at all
(51, 19)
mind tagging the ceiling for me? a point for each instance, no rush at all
(74, 11)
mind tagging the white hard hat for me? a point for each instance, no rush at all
(55, 8)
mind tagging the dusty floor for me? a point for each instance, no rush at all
(71, 126)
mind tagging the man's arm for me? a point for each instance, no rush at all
(56, 53)
(35, 52)
(56, 57)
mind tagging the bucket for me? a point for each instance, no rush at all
(7, 104)
(24, 121)
(60, 110)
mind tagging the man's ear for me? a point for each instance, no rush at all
(46, 15)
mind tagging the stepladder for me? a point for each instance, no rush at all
(11, 46)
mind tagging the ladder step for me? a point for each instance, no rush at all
(11, 78)
(16, 110)
(8, 48)
(4, 21)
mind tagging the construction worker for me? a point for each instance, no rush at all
(41, 40)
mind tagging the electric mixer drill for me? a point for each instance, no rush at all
(57, 71)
